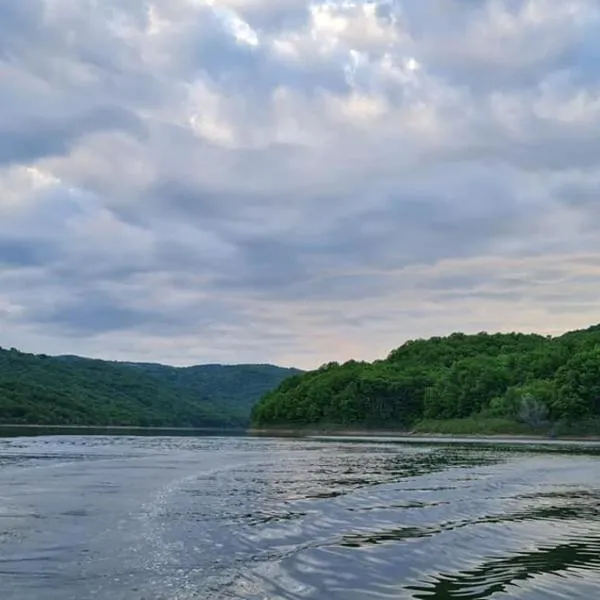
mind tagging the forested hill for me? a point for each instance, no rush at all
(517, 377)
(40, 389)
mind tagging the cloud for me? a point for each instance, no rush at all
(291, 181)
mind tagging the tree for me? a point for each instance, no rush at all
(522, 377)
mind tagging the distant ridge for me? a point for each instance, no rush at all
(74, 390)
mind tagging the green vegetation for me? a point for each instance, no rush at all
(484, 383)
(69, 390)
(508, 426)
(474, 426)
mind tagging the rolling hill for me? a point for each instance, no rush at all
(501, 382)
(71, 390)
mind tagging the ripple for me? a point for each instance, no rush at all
(260, 519)
(495, 576)
(439, 529)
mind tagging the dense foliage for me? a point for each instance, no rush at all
(69, 390)
(521, 378)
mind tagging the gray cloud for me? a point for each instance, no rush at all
(89, 315)
(295, 182)
(22, 253)
(34, 139)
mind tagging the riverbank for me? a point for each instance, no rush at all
(451, 429)
(21, 429)
(353, 434)
(115, 427)
(416, 433)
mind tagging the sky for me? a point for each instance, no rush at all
(295, 182)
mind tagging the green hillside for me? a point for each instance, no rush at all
(513, 381)
(69, 390)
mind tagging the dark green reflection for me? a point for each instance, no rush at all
(498, 575)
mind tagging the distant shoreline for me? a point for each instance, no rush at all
(119, 428)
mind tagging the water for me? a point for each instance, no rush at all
(224, 518)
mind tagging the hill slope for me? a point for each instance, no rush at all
(518, 377)
(39, 389)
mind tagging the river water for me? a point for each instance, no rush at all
(174, 518)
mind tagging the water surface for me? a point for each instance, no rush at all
(129, 517)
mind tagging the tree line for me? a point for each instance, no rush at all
(524, 378)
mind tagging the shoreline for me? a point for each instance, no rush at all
(305, 433)
(408, 435)
(119, 428)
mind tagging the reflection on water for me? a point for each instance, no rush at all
(177, 518)
(496, 576)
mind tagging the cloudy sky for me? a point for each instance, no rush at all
(289, 181)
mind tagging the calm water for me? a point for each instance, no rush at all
(170, 518)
